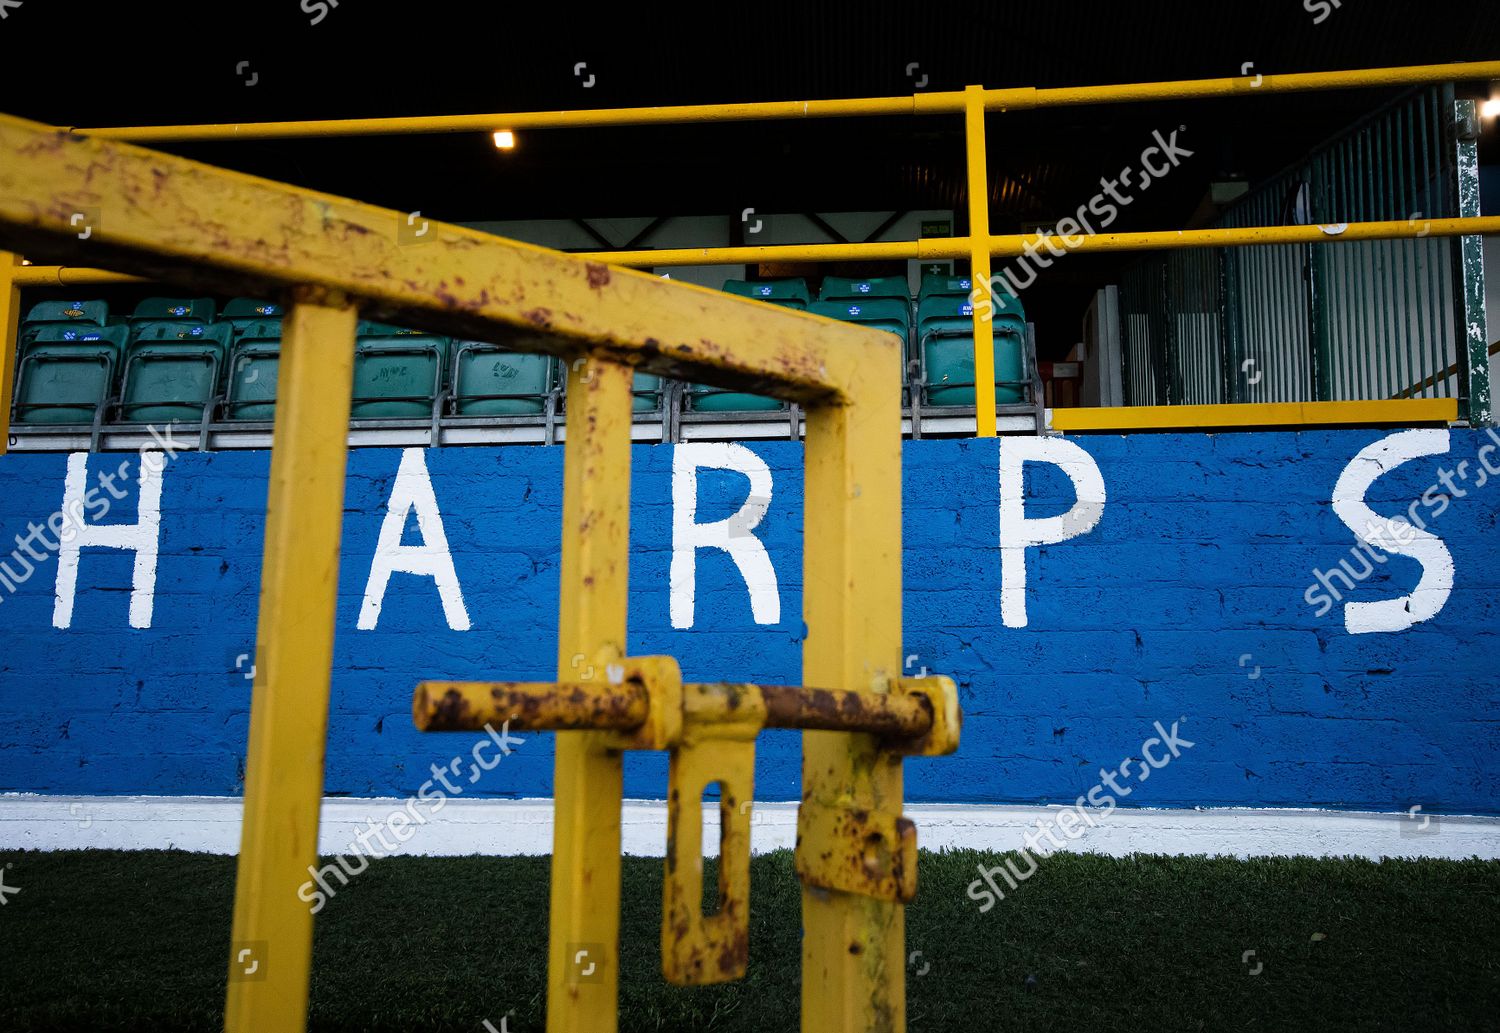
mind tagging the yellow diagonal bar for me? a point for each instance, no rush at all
(271, 945)
(583, 956)
(853, 963)
(226, 232)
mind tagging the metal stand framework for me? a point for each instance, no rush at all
(199, 227)
(979, 245)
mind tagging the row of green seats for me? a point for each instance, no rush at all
(74, 355)
(938, 336)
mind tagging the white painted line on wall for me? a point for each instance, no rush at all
(211, 824)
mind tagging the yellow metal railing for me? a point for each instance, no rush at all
(973, 103)
(199, 227)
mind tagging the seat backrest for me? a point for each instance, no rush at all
(837, 288)
(89, 313)
(943, 306)
(55, 334)
(257, 330)
(250, 391)
(886, 314)
(156, 332)
(790, 291)
(935, 285)
(483, 371)
(396, 371)
(239, 312)
(194, 310)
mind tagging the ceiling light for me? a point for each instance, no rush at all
(505, 139)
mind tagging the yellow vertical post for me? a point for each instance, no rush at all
(271, 946)
(979, 262)
(853, 967)
(583, 955)
(10, 323)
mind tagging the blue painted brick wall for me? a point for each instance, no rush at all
(1205, 548)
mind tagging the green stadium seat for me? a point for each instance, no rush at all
(61, 313)
(702, 398)
(646, 393)
(397, 372)
(172, 370)
(886, 314)
(176, 310)
(840, 288)
(791, 292)
(67, 373)
(942, 285)
(788, 293)
(490, 381)
(253, 364)
(241, 312)
(945, 329)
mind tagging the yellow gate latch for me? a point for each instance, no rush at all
(709, 731)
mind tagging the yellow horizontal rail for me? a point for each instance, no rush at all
(1394, 412)
(1006, 246)
(935, 103)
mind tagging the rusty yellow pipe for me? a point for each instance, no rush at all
(456, 706)
(940, 102)
(68, 276)
(1197, 89)
(1007, 246)
(934, 248)
(485, 123)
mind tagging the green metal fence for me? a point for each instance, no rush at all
(1321, 322)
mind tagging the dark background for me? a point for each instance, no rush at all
(133, 63)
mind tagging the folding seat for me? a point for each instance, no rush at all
(172, 370)
(397, 372)
(67, 372)
(840, 288)
(253, 363)
(791, 292)
(945, 330)
(61, 313)
(490, 381)
(176, 310)
(241, 312)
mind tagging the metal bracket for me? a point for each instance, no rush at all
(698, 949)
(947, 719)
(870, 853)
(662, 679)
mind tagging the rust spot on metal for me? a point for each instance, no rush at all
(598, 274)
